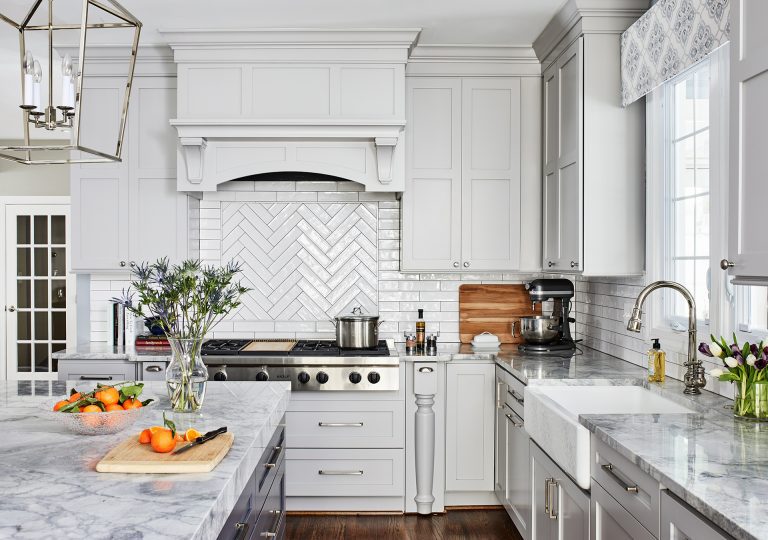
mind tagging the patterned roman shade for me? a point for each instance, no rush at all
(669, 37)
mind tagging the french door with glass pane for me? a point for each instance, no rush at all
(38, 288)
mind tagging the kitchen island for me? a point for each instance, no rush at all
(51, 488)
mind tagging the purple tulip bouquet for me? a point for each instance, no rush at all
(744, 365)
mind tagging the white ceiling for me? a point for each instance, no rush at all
(507, 22)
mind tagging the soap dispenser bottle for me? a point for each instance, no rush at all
(657, 360)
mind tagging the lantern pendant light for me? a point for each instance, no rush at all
(63, 111)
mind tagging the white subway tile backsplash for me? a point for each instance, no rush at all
(296, 196)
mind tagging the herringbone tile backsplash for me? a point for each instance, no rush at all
(312, 250)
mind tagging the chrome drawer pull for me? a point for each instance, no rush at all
(552, 483)
(340, 424)
(340, 473)
(627, 487)
(517, 397)
(426, 370)
(242, 530)
(511, 419)
(273, 458)
(154, 369)
(278, 523)
(94, 378)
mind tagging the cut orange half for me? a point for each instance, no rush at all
(191, 434)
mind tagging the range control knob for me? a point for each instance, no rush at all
(355, 377)
(373, 377)
(262, 376)
(304, 377)
(322, 377)
(220, 376)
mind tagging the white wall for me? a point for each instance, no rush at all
(16, 179)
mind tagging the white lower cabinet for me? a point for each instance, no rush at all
(560, 508)
(469, 430)
(611, 521)
(681, 522)
(96, 370)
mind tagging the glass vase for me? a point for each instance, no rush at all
(750, 401)
(186, 375)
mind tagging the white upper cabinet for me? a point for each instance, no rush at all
(463, 201)
(593, 161)
(748, 243)
(432, 200)
(127, 212)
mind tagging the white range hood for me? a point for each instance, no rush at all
(274, 100)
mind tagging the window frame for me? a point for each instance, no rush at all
(658, 166)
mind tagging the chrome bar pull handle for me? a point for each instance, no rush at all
(340, 473)
(629, 488)
(340, 424)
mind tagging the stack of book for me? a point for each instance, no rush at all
(150, 341)
(122, 325)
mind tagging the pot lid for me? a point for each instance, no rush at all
(357, 315)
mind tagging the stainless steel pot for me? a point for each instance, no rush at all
(357, 330)
(538, 330)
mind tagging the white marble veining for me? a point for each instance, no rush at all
(95, 350)
(51, 488)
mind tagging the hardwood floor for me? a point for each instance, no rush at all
(453, 525)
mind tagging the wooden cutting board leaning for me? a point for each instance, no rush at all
(130, 456)
(492, 308)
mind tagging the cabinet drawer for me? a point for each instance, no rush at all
(373, 424)
(270, 523)
(512, 393)
(345, 473)
(152, 371)
(270, 462)
(628, 484)
(679, 521)
(95, 370)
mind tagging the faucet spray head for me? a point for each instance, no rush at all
(636, 320)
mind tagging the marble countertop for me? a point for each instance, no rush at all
(50, 485)
(96, 350)
(714, 462)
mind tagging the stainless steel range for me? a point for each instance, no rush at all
(309, 365)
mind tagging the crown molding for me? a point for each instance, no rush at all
(588, 16)
(112, 60)
(473, 60)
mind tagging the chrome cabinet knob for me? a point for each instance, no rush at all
(456, 264)
(133, 264)
(122, 263)
(574, 264)
(11, 308)
(550, 264)
(466, 265)
(725, 264)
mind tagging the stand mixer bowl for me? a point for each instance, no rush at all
(538, 330)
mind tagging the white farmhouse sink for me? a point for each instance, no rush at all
(552, 418)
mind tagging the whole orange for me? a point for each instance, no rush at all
(145, 437)
(90, 409)
(163, 441)
(132, 404)
(74, 397)
(60, 404)
(114, 407)
(108, 396)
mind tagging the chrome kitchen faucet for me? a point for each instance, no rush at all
(694, 375)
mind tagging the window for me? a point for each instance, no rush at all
(687, 197)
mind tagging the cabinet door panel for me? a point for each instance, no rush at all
(518, 472)
(748, 245)
(500, 472)
(542, 526)
(158, 220)
(100, 122)
(680, 522)
(610, 521)
(551, 121)
(570, 96)
(99, 222)
(469, 427)
(491, 174)
(570, 216)
(432, 198)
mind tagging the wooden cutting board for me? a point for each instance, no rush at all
(492, 308)
(130, 456)
(269, 345)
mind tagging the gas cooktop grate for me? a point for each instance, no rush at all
(303, 347)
